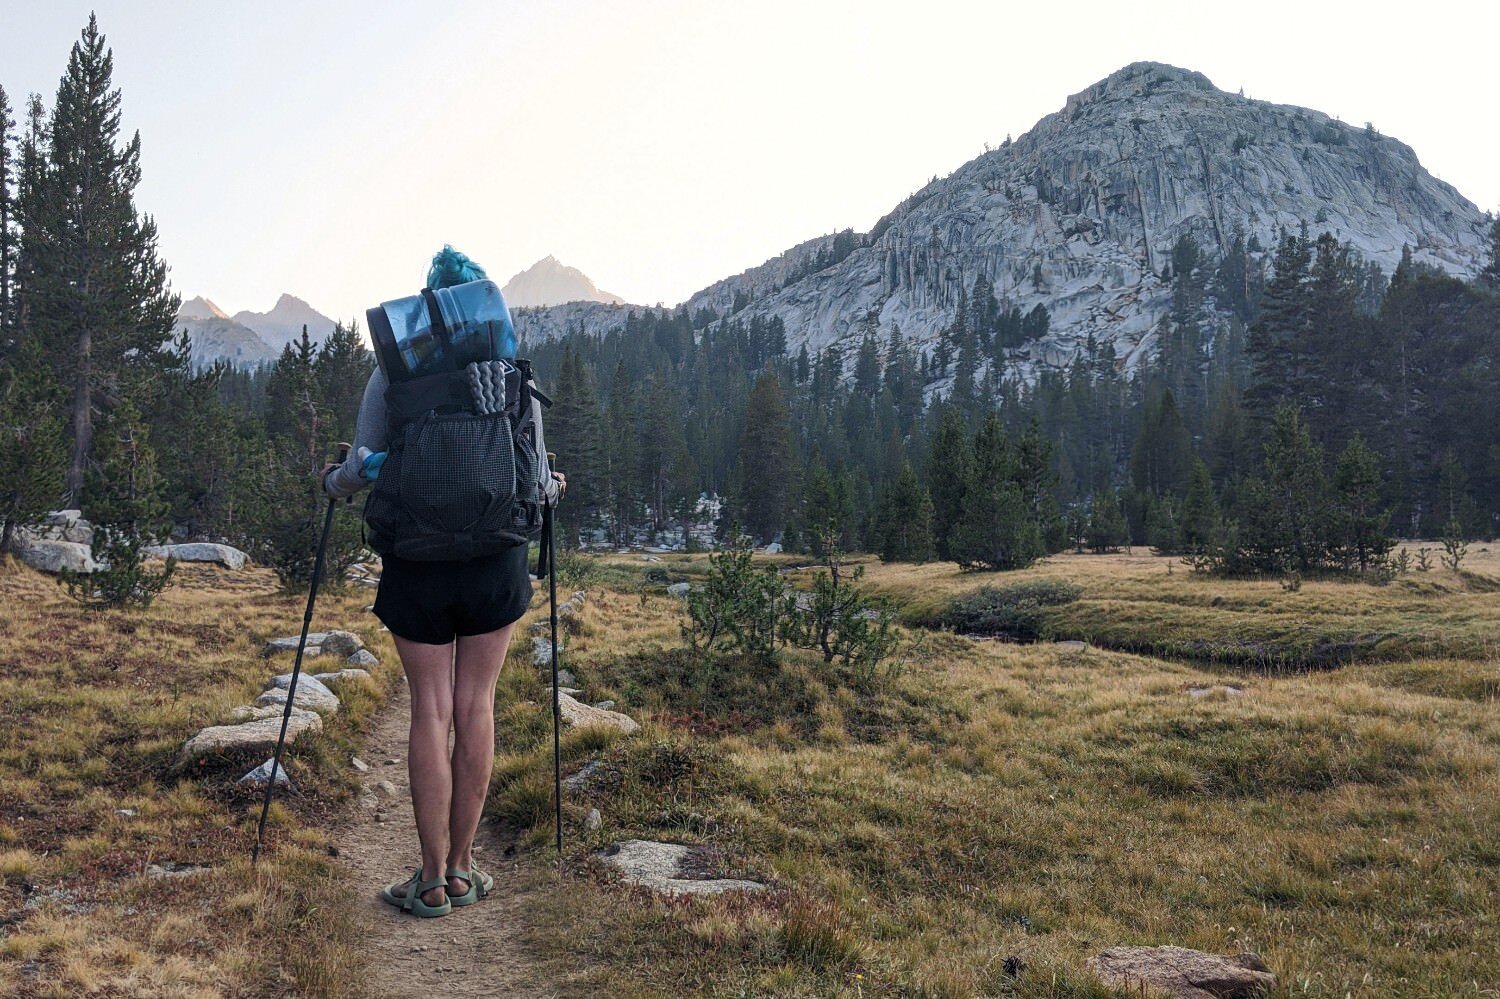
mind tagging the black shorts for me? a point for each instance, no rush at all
(434, 602)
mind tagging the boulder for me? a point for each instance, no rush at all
(319, 699)
(304, 682)
(260, 733)
(248, 712)
(231, 558)
(1183, 973)
(362, 660)
(342, 676)
(581, 715)
(289, 644)
(262, 773)
(658, 866)
(342, 643)
(592, 820)
(679, 590)
(541, 652)
(55, 556)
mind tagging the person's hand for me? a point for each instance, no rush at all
(562, 483)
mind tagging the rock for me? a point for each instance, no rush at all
(649, 558)
(1229, 689)
(539, 628)
(363, 659)
(321, 700)
(359, 764)
(566, 680)
(262, 773)
(1183, 973)
(66, 525)
(128, 813)
(384, 788)
(583, 780)
(604, 705)
(289, 644)
(342, 676)
(592, 820)
(170, 870)
(583, 716)
(55, 556)
(774, 548)
(342, 643)
(578, 597)
(541, 652)
(305, 682)
(198, 551)
(658, 866)
(246, 712)
(567, 609)
(679, 590)
(259, 733)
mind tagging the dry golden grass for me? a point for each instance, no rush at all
(999, 800)
(96, 707)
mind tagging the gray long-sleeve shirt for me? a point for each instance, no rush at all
(370, 435)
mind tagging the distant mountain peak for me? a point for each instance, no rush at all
(551, 282)
(283, 324)
(200, 308)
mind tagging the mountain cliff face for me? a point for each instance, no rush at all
(213, 336)
(1080, 215)
(551, 282)
(284, 322)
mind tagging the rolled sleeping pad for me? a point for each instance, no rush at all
(441, 330)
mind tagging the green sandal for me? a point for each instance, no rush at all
(480, 884)
(412, 901)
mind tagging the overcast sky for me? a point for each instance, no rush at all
(329, 148)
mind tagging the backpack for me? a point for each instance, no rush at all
(460, 476)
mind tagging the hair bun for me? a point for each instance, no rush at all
(449, 267)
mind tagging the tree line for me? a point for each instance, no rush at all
(1297, 410)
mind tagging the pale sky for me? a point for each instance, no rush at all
(329, 148)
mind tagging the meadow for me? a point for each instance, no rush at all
(1222, 764)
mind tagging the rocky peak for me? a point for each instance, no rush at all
(200, 308)
(551, 282)
(1140, 79)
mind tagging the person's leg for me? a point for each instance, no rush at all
(429, 676)
(476, 669)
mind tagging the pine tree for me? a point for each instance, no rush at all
(904, 527)
(1280, 329)
(765, 460)
(1200, 511)
(1361, 522)
(572, 427)
(1106, 529)
(7, 219)
(93, 288)
(997, 528)
(1490, 276)
(948, 463)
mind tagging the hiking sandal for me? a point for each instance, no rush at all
(480, 884)
(412, 901)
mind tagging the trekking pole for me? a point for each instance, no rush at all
(549, 529)
(286, 714)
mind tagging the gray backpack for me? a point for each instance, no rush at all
(460, 477)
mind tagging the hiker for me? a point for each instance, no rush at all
(450, 598)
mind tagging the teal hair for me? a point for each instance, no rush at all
(449, 267)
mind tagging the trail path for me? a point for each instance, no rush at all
(473, 951)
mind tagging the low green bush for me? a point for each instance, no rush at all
(1017, 612)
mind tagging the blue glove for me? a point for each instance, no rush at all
(370, 468)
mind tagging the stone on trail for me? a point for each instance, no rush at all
(342, 676)
(1183, 973)
(658, 866)
(320, 700)
(604, 705)
(363, 659)
(225, 555)
(259, 733)
(55, 556)
(246, 712)
(359, 764)
(304, 682)
(583, 716)
(541, 652)
(592, 820)
(566, 680)
(342, 643)
(262, 773)
(289, 644)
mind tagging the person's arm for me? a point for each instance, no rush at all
(369, 438)
(549, 483)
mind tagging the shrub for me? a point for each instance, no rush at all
(840, 621)
(738, 606)
(1017, 612)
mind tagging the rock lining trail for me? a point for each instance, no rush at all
(473, 951)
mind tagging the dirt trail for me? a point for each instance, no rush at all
(473, 951)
